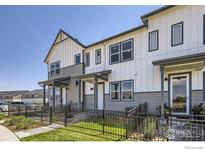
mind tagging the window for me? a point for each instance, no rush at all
(127, 90)
(203, 86)
(55, 68)
(115, 91)
(77, 59)
(127, 50)
(153, 40)
(122, 90)
(122, 51)
(177, 34)
(87, 59)
(115, 53)
(98, 56)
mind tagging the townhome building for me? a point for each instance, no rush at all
(159, 62)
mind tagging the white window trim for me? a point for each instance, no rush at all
(118, 44)
(75, 58)
(128, 50)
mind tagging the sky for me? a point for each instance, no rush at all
(27, 33)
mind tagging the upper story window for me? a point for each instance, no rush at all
(153, 40)
(55, 68)
(77, 59)
(115, 53)
(127, 50)
(177, 34)
(98, 56)
(87, 59)
(204, 29)
(122, 51)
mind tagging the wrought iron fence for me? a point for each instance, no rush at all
(136, 126)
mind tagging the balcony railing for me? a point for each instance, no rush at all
(73, 70)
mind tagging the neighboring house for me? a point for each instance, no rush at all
(160, 61)
(34, 96)
(7, 96)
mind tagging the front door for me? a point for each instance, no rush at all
(179, 93)
(100, 96)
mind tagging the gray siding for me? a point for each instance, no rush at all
(153, 99)
(71, 71)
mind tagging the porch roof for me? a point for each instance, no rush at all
(181, 60)
(102, 75)
(58, 82)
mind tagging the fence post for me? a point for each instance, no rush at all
(66, 116)
(26, 111)
(18, 109)
(103, 121)
(41, 114)
(50, 115)
(126, 126)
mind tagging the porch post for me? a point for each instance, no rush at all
(79, 94)
(61, 95)
(54, 98)
(66, 96)
(44, 95)
(95, 92)
(162, 90)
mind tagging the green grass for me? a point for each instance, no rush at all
(78, 132)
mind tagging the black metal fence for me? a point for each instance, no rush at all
(135, 126)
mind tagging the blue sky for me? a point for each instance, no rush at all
(27, 32)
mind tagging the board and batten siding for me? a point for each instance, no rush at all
(146, 76)
(65, 52)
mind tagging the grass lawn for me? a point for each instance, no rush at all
(77, 133)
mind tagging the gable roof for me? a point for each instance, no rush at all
(55, 42)
(143, 17)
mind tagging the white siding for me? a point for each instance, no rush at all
(146, 76)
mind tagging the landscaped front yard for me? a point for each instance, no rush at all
(76, 133)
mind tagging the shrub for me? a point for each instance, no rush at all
(2, 116)
(55, 119)
(69, 115)
(149, 128)
(20, 122)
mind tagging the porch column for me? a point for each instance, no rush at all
(66, 96)
(44, 95)
(95, 92)
(162, 89)
(79, 94)
(61, 96)
(54, 97)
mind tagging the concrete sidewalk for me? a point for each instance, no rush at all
(7, 135)
(39, 130)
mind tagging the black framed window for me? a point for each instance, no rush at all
(127, 50)
(153, 40)
(87, 59)
(98, 56)
(115, 53)
(122, 90)
(177, 34)
(115, 91)
(127, 90)
(55, 68)
(77, 59)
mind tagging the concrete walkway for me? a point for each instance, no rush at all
(39, 130)
(7, 135)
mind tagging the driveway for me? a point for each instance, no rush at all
(7, 135)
